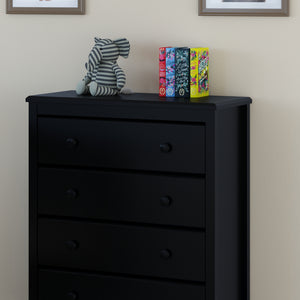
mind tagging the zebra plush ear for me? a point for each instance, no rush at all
(124, 46)
(97, 40)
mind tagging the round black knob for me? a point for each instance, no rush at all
(71, 194)
(71, 142)
(72, 245)
(72, 296)
(165, 148)
(165, 254)
(165, 201)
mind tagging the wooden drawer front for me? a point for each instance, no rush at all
(122, 249)
(122, 145)
(86, 287)
(122, 196)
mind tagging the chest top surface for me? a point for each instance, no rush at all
(146, 99)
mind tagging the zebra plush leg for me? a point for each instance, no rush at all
(82, 87)
(99, 90)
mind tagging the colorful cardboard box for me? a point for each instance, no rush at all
(162, 72)
(199, 70)
(170, 72)
(182, 72)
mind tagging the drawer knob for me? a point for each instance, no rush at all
(165, 254)
(71, 143)
(165, 201)
(165, 148)
(72, 245)
(71, 194)
(72, 296)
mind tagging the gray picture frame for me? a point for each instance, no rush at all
(204, 11)
(80, 10)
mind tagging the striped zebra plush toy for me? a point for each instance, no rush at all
(104, 76)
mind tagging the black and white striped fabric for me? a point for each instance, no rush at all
(102, 67)
(124, 47)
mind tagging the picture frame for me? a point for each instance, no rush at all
(271, 8)
(72, 7)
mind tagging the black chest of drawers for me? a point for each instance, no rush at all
(137, 197)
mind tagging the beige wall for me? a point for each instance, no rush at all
(257, 57)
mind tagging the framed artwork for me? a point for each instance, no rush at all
(244, 7)
(74, 7)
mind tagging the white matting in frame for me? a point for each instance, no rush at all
(267, 4)
(45, 3)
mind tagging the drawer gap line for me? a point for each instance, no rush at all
(200, 123)
(123, 275)
(128, 171)
(122, 223)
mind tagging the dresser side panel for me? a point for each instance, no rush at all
(33, 264)
(210, 204)
(231, 205)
